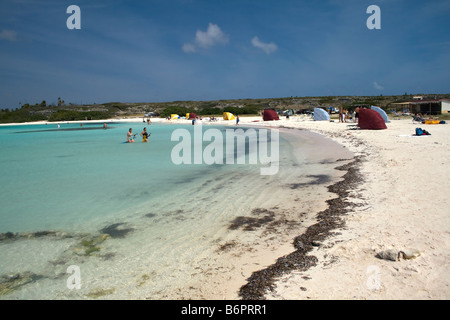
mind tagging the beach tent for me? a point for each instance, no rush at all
(381, 112)
(228, 116)
(370, 119)
(190, 116)
(270, 115)
(321, 115)
(174, 117)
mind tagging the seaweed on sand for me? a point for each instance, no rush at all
(115, 230)
(252, 223)
(328, 220)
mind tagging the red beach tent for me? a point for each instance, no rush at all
(370, 120)
(270, 115)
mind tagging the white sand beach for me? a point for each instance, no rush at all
(403, 204)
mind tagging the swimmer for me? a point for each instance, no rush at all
(130, 136)
(144, 135)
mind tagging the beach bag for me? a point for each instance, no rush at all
(421, 132)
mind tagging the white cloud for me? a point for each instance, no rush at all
(266, 47)
(377, 86)
(205, 39)
(9, 35)
(188, 48)
(212, 36)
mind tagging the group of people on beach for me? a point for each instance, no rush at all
(130, 135)
(344, 114)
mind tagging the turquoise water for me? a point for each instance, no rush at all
(81, 180)
(61, 178)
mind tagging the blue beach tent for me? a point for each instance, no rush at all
(320, 115)
(381, 112)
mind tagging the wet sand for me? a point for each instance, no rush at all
(395, 198)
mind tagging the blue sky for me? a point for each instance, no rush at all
(168, 50)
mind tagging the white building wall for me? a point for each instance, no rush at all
(445, 106)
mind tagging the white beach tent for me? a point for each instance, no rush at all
(381, 112)
(320, 115)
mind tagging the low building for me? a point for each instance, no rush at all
(431, 106)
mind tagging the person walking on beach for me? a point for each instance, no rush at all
(130, 136)
(341, 114)
(144, 135)
(237, 120)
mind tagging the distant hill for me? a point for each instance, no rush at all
(63, 112)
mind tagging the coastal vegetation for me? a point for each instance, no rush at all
(61, 111)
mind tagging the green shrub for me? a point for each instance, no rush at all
(206, 111)
(181, 111)
(70, 115)
(20, 115)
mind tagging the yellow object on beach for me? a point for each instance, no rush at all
(432, 121)
(174, 116)
(228, 116)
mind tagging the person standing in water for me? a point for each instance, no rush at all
(130, 136)
(144, 135)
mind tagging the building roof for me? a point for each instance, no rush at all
(423, 101)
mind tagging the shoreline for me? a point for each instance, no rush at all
(396, 198)
(401, 204)
(329, 221)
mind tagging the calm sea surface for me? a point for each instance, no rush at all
(134, 224)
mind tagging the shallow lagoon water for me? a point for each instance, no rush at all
(165, 221)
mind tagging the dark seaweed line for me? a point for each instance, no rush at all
(329, 220)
